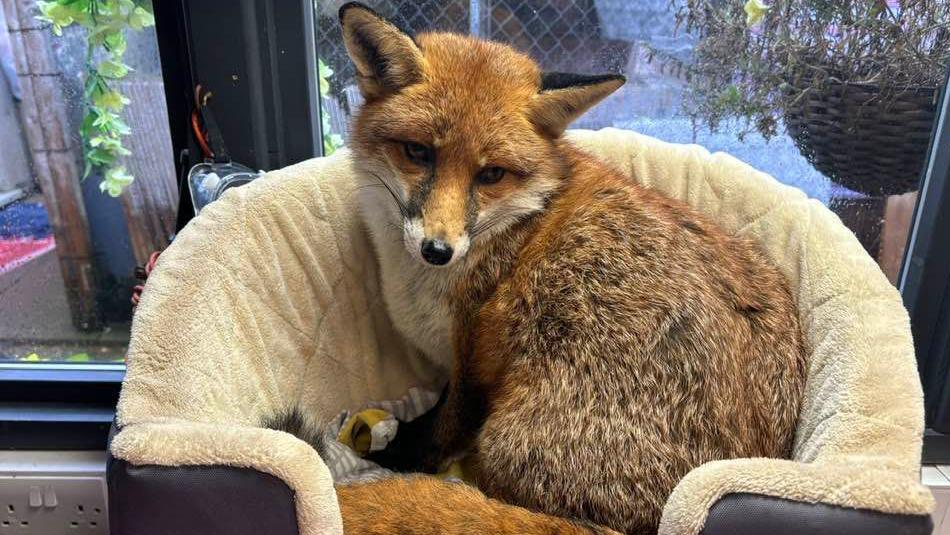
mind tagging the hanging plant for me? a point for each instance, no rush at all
(755, 59)
(853, 83)
(331, 141)
(102, 127)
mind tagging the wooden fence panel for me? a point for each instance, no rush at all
(151, 202)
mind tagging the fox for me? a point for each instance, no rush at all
(600, 339)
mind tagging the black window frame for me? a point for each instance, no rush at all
(47, 406)
(69, 406)
(925, 286)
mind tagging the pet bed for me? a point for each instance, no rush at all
(270, 299)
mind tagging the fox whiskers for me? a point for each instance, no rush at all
(398, 230)
(357, 189)
(400, 204)
(486, 225)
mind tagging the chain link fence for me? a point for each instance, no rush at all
(588, 36)
(561, 35)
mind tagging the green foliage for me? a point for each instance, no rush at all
(102, 127)
(79, 357)
(331, 141)
(75, 357)
(755, 58)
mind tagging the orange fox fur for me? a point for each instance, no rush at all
(417, 505)
(602, 339)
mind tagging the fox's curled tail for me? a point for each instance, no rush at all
(425, 505)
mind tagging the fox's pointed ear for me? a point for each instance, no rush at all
(564, 97)
(386, 59)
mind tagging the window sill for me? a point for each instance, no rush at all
(57, 406)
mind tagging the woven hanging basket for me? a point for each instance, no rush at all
(867, 146)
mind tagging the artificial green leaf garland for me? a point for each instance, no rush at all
(102, 127)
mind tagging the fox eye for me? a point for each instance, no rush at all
(490, 175)
(417, 153)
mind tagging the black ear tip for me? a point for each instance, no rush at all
(563, 80)
(353, 5)
(609, 78)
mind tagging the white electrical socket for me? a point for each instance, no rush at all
(53, 493)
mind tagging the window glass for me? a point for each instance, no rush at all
(68, 248)
(849, 127)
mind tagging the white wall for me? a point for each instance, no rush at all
(14, 160)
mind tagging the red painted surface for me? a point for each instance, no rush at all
(15, 252)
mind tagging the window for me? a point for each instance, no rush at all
(706, 72)
(68, 250)
(815, 141)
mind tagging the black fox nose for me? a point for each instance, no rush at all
(436, 252)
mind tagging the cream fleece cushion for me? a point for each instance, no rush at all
(270, 299)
